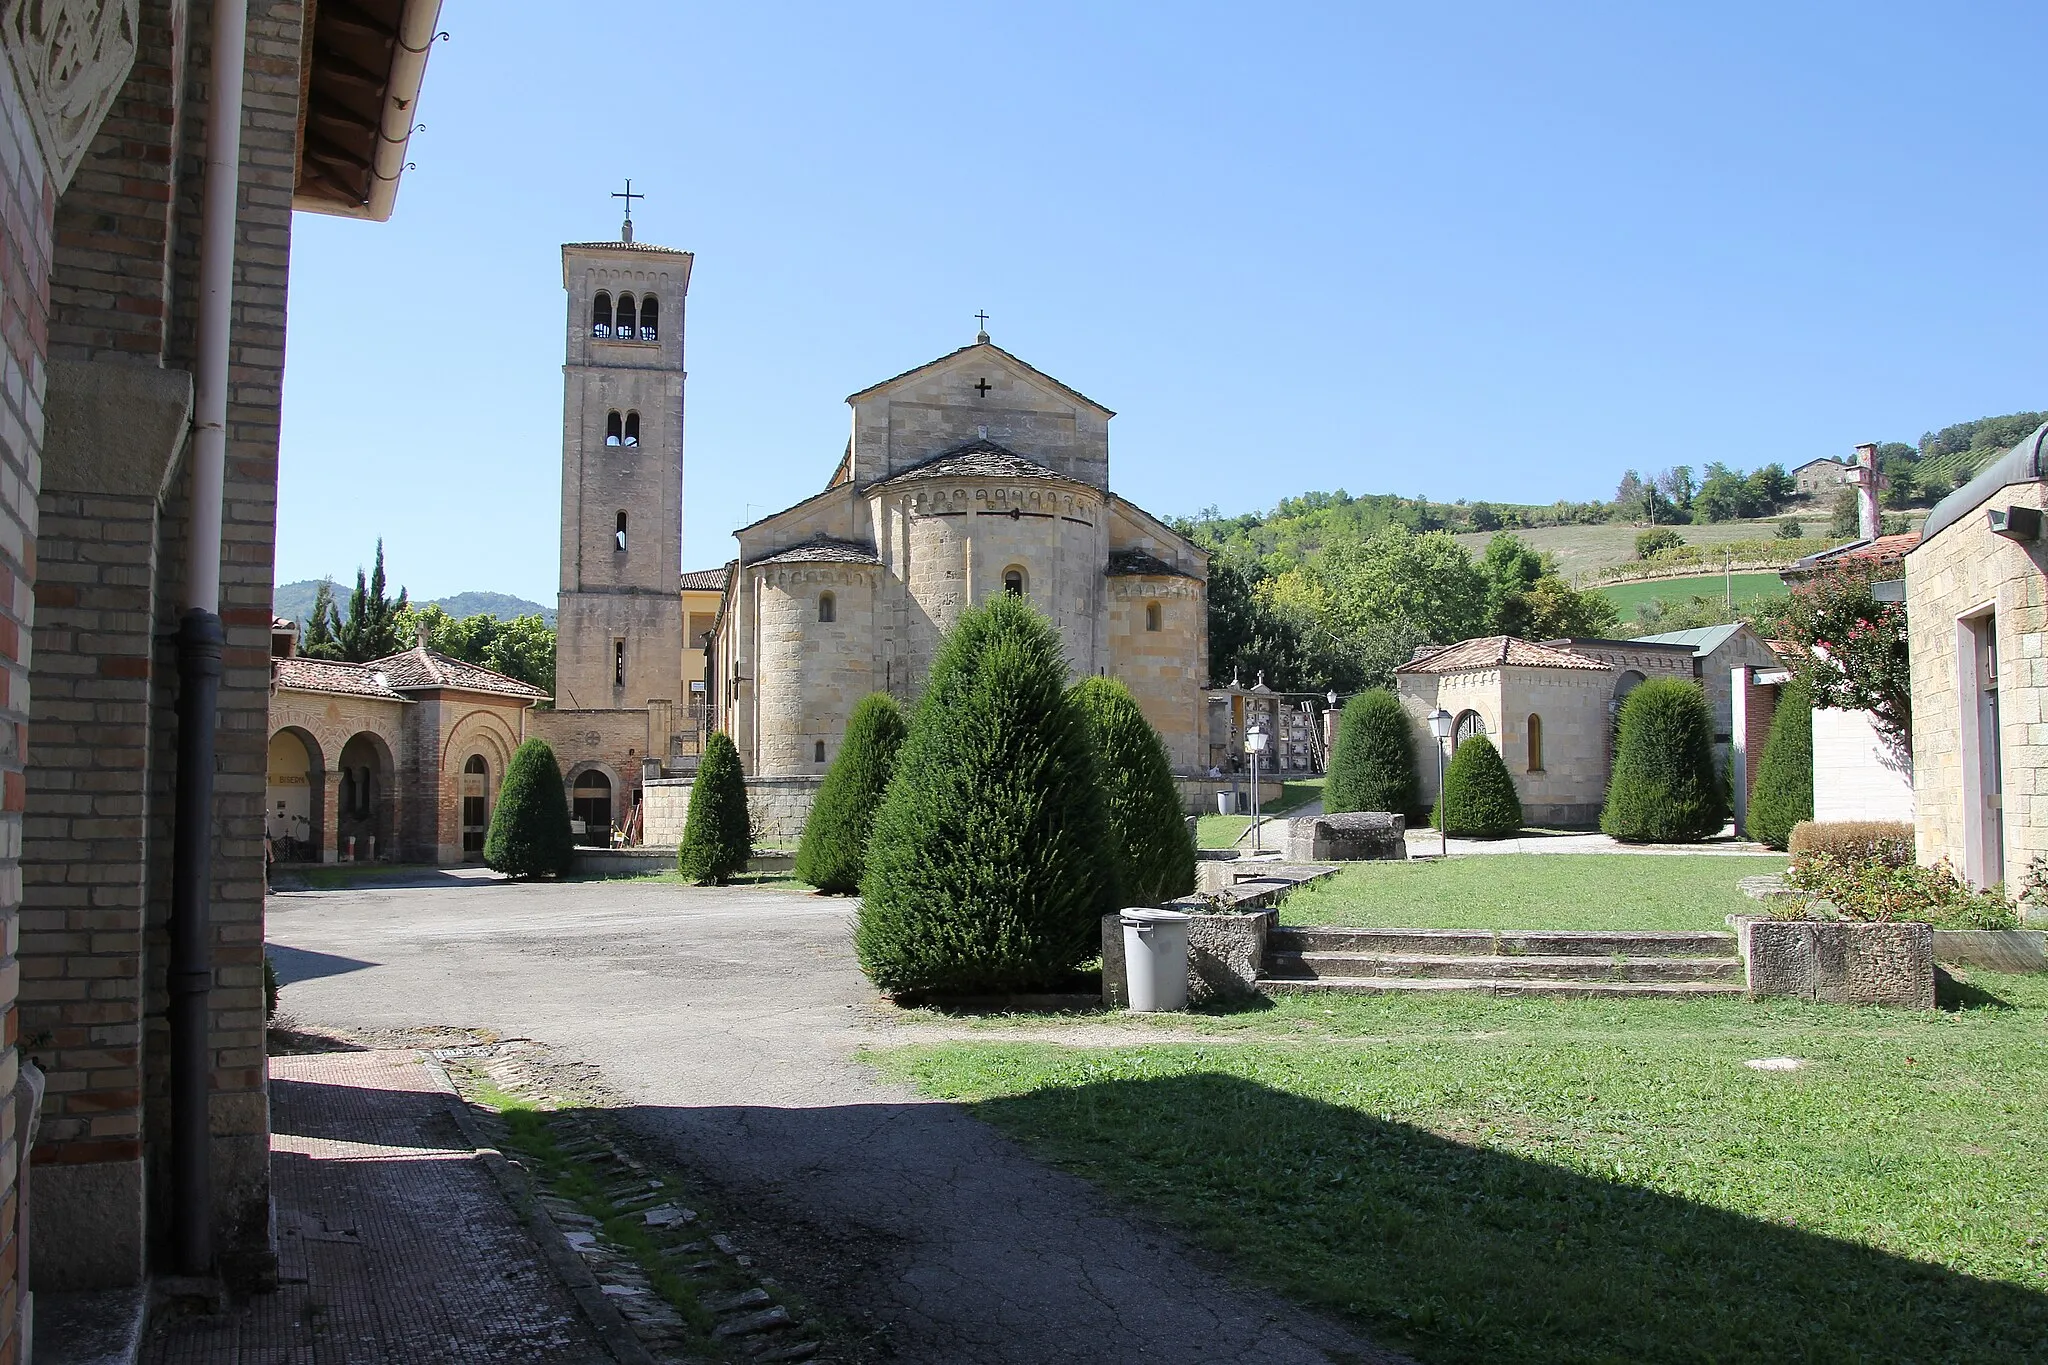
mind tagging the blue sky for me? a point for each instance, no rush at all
(1482, 251)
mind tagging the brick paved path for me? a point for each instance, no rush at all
(394, 1242)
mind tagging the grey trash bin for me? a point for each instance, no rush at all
(1156, 959)
(1224, 801)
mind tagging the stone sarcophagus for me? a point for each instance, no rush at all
(1353, 837)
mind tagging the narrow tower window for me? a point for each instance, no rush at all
(601, 315)
(1535, 744)
(1013, 581)
(650, 313)
(632, 428)
(618, 663)
(625, 327)
(818, 752)
(827, 608)
(1151, 616)
(612, 429)
(621, 534)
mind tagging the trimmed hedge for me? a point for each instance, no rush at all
(718, 838)
(1372, 765)
(1479, 797)
(986, 869)
(835, 840)
(1152, 851)
(529, 834)
(1664, 789)
(1783, 794)
(1854, 841)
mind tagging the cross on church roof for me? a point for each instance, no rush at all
(626, 230)
(982, 318)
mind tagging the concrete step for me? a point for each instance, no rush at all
(1503, 943)
(1392, 985)
(1498, 967)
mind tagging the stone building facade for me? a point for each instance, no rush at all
(1977, 616)
(972, 475)
(107, 113)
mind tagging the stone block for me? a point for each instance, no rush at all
(1839, 962)
(1998, 950)
(1354, 836)
(1224, 956)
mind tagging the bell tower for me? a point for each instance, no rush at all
(619, 626)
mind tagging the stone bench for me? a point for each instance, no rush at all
(1352, 837)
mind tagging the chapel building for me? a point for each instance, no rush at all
(971, 475)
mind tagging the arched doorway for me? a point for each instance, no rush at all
(1469, 724)
(364, 803)
(292, 798)
(590, 809)
(476, 806)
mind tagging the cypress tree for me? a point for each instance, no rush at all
(717, 836)
(1151, 849)
(1479, 797)
(1664, 788)
(1372, 765)
(1783, 795)
(529, 834)
(986, 869)
(835, 839)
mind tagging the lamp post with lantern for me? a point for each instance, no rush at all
(1440, 722)
(1255, 739)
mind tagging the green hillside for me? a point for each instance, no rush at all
(1628, 598)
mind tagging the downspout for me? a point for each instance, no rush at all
(200, 641)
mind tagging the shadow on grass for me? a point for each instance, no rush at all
(1463, 1254)
(1954, 994)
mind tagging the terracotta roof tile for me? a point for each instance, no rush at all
(706, 580)
(327, 675)
(1142, 564)
(1492, 651)
(419, 669)
(627, 246)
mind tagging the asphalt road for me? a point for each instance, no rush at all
(728, 1020)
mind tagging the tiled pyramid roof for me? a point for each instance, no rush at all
(1492, 651)
(417, 669)
(328, 675)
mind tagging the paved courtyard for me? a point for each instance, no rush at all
(728, 1020)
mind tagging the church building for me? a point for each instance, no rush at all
(972, 475)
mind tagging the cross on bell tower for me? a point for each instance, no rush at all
(626, 229)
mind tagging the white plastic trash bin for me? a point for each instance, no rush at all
(1224, 801)
(1156, 959)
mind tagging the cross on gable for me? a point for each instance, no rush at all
(982, 386)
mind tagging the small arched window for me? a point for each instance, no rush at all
(601, 315)
(632, 428)
(620, 535)
(477, 765)
(828, 609)
(818, 752)
(1013, 581)
(1152, 615)
(1535, 744)
(625, 327)
(614, 429)
(650, 319)
(1470, 723)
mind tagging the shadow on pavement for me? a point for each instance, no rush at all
(302, 964)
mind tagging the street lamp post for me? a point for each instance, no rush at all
(1440, 722)
(1255, 744)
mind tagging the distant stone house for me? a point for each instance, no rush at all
(1816, 478)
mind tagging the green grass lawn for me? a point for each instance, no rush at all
(1222, 831)
(1627, 597)
(1475, 1179)
(1535, 891)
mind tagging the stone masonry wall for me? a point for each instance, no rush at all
(812, 672)
(1162, 667)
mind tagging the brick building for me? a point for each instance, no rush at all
(147, 240)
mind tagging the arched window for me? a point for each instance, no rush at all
(650, 314)
(601, 315)
(818, 752)
(614, 429)
(1013, 581)
(618, 663)
(1470, 723)
(1535, 744)
(476, 805)
(828, 609)
(620, 535)
(632, 428)
(625, 327)
(1152, 615)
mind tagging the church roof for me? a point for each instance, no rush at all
(981, 459)
(626, 246)
(822, 550)
(1491, 651)
(419, 669)
(301, 674)
(1142, 564)
(1024, 365)
(706, 580)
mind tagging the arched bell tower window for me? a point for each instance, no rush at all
(601, 315)
(828, 609)
(625, 327)
(632, 428)
(1013, 581)
(650, 315)
(1152, 616)
(620, 535)
(614, 430)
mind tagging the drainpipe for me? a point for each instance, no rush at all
(200, 640)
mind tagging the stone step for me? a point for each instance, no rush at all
(1503, 943)
(1392, 985)
(1499, 967)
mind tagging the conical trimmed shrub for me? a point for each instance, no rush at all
(1479, 798)
(529, 834)
(1664, 789)
(717, 836)
(1372, 765)
(1783, 795)
(834, 846)
(986, 868)
(1151, 848)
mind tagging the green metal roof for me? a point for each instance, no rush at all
(1704, 640)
